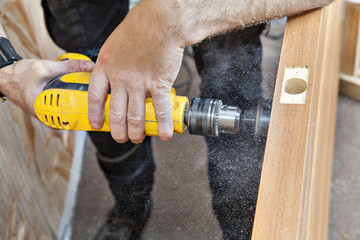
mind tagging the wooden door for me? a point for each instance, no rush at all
(294, 194)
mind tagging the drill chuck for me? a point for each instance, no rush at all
(209, 117)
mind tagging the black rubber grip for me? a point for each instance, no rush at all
(8, 51)
(57, 83)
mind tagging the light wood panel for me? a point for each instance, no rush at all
(350, 84)
(350, 38)
(35, 161)
(294, 194)
(350, 89)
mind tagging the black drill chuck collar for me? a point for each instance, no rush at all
(8, 55)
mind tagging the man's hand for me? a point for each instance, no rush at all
(140, 59)
(23, 81)
(143, 55)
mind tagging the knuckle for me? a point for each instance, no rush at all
(136, 121)
(162, 115)
(114, 76)
(95, 117)
(94, 97)
(116, 117)
(72, 66)
(134, 87)
(103, 57)
(86, 65)
(117, 80)
(94, 114)
(160, 87)
(38, 68)
(35, 65)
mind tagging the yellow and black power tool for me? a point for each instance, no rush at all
(64, 105)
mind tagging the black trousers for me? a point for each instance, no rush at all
(229, 66)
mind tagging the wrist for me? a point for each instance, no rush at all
(164, 19)
(8, 57)
(6, 74)
(186, 23)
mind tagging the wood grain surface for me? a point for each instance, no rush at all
(35, 161)
(294, 193)
(350, 88)
(350, 80)
(350, 38)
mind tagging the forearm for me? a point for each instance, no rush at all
(2, 31)
(5, 75)
(193, 21)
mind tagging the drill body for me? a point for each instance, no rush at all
(63, 104)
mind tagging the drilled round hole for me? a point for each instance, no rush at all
(295, 86)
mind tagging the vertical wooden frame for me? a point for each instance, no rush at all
(294, 194)
(350, 59)
(350, 51)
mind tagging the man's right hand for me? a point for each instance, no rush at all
(24, 80)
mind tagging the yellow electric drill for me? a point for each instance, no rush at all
(64, 105)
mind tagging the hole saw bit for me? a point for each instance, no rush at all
(63, 104)
(210, 117)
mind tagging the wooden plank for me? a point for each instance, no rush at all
(350, 38)
(294, 194)
(35, 161)
(350, 89)
(350, 80)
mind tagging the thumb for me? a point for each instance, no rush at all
(57, 68)
(47, 70)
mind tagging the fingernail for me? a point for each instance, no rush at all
(121, 140)
(95, 125)
(165, 139)
(87, 65)
(138, 141)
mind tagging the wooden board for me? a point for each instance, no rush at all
(350, 80)
(350, 38)
(350, 89)
(35, 161)
(294, 194)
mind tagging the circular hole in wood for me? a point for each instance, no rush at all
(295, 86)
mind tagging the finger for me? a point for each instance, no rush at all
(136, 117)
(163, 115)
(98, 88)
(117, 115)
(57, 68)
